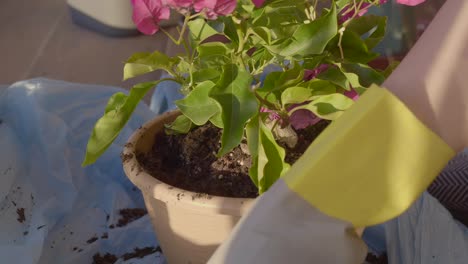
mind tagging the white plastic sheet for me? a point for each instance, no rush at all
(44, 129)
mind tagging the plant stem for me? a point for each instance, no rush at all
(170, 79)
(169, 36)
(184, 28)
(341, 31)
(265, 102)
(181, 32)
(315, 9)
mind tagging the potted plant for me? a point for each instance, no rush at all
(261, 80)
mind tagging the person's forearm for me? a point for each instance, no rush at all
(432, 80)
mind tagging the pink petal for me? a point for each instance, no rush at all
(147, 26)
(179, 3)
(352, 94)
(258, 3)
(273, 115)
(215, 8)
(225, 7)
(164, 14)
(303, 118)
(199, 5)
(410, 2)
(310, 74)
(147, 14)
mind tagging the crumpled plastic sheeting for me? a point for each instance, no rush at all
(164, 96)
(426, 233)
(44, 130)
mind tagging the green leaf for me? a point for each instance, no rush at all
(116, 101)
(355, 49)
(367, 75)
(320, 87)
(278, 81)
(270, 163)
(372, 25)
(247, 7)
(260, 58)
(230, 29)
(390, 68)
(198, 106)
(118, 111)
(217, 120)
(252, 134)
(181, 125)
(312, 38)
(353, 80)
(183, 66)
(295, 95)
(328, 107)
(334, 75)
(238, 104)
(200, 30)
(253, 171)
(205, 75)
(213, 54)
(263, 33)
(144, 62)
(271, 81)
(341, 3)
(277, 15)
(314, 61)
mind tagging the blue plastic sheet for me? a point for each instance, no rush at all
(44, 129)
(426, 233)
(164, 96)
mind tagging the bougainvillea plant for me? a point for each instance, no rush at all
(258, 69)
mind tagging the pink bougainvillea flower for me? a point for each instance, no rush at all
(199, 5)
(273, 115)
(310, 74)
(148, 13)
(179, 3)
(410, 2)
(299, 119)
(303, 118)
(258, 3)
(215, 8)
(352, 94)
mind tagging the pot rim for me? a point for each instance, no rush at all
(168, 194)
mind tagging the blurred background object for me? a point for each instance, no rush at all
(109, 17)
(405, 25)
(416, 19)
(40, 39)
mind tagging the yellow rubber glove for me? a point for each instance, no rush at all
(371, 164)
